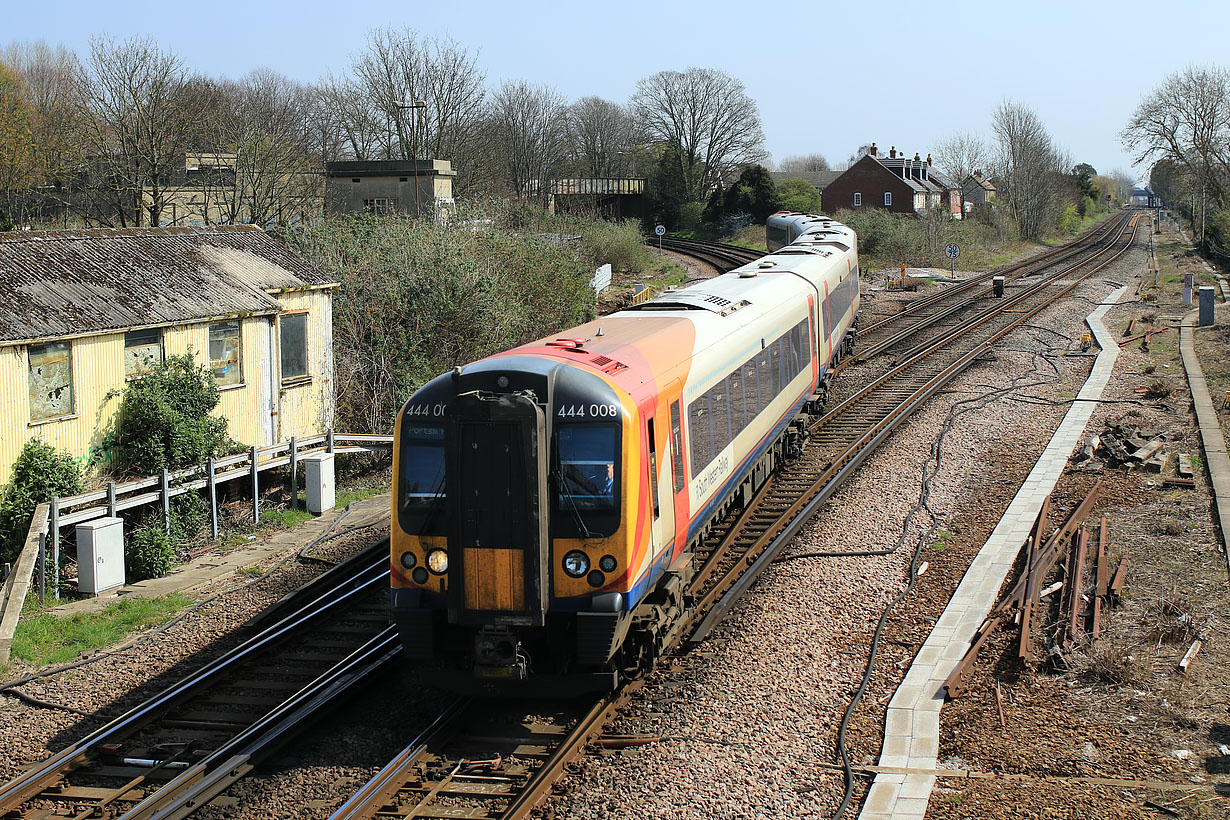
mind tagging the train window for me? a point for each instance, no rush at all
(775, 358)
(734, 389)
(653, 468)
(676, 446)
(764, 379)
(811, 338)
(751, 391)
(719, 401)
(421, 474)
(588, 480)
(700, 432)
(491, 482)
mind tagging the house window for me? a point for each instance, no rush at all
(888, 198)
(858, 200)
(142, 352)
(224, 353)
(381, 206)
(292, 329)
(51, 381)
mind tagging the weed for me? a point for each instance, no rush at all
(1149, 368)
(284, 519)
(1157, 389)
(45, 638)
(251, 571)
(346, 497)
(1170, 618)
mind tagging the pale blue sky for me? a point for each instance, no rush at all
(827, 77)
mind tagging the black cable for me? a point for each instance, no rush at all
(929, 472)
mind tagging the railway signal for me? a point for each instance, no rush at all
(952, 252)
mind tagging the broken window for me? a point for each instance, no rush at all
(51, 381)
(224, 353)
(293, 336)
(142, 352)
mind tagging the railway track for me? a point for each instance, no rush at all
(184, 746)
(721, 256)
(916, 317)
(483, 758)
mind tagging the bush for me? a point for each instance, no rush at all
(164, 418)
(189, 514)
(149, 553)
(618, 243)
(730, 224)
(40, 472)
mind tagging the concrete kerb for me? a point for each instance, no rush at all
(214, 566)
(918, 693)
(1212, 439)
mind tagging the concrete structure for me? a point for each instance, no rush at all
(908, 764)
(1212, 438)
(86, 311)
(422, 187)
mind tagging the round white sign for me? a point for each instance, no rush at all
(952, 251)
(661, 229)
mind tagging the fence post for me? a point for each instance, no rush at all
(55, 545)
(213, 497)
(111, 499)
(294, 474)
(256, 487)
(165, 489)
(329, 440)
(42, 569)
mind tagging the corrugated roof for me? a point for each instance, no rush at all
(63, 283)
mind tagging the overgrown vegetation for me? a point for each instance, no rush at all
(164, 418)
(418, 299)
(39, 473)
(44, 638)
(148, 553)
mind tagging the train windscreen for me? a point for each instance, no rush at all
(587, 482)
(421, 490)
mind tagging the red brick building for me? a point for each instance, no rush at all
(892, 183)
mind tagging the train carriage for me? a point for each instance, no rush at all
(548, 499)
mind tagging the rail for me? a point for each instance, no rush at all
(51, 517)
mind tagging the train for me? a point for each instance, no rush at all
(548, 501)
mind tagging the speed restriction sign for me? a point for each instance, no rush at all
(661, 229)
(952, 251)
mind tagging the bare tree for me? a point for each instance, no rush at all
(1187, 120)
(960, 155)
(1124, 183)
(808, 163)
(136, 116)
(412, 97)
(708, 118)
(1029, 167)
(528, 137)
(602, 136)
(18, 163)
(264, 170)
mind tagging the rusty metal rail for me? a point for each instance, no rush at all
(203, 730)
(721, 256)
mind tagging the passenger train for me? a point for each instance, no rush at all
(548, 500)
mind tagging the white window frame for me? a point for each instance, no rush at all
(888, 199)
(858, 199)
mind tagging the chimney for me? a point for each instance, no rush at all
(873, 150)
(892, 152)
(917, 158)
(928, 159)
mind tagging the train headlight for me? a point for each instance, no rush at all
(607, 563)
(576, 563)
(419, 575)
(409, 559)
(437, 561)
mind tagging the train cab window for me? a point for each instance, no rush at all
(587, 486)
(421, 478)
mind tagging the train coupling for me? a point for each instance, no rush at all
(499, 654)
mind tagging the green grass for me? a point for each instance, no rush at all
(346, 497)
(45, 639)
(284, 519)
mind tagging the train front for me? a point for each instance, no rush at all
(510, 558)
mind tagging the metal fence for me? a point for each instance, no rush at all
(52, 517)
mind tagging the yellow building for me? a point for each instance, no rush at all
(84, 311)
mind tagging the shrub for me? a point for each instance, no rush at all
(149, 553)
(40, 472)
(618, 243)
(164, 418)
(189, 513)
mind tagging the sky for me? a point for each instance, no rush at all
(826, 77)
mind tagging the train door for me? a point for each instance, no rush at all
(678, 491)
(661, 497)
